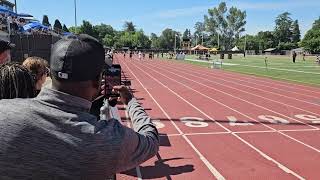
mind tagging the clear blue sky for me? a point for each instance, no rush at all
(155, 15)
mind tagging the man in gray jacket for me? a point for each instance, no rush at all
(54, 137)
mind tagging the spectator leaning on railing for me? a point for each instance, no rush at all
(54, 137)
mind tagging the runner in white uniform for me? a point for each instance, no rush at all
(140, 55)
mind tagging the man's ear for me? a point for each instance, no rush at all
(96, 84)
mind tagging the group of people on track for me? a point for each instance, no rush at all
(141, 55)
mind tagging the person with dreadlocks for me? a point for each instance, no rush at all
(15, 82)
(39, 70)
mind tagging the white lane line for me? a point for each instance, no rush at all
(298, 130)
(138, 171)
(267, 109)
(284, 168)
(247, 92)
(267, 87)
(306, 145)
(242, 132)
(263, 81)
(212, 169)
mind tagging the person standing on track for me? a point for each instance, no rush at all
(130, 54)
(140, 55)
(294, 56)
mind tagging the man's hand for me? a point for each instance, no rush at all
(125, 95)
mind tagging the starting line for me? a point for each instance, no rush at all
(196, 122)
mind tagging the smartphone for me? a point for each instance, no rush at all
(112, 78)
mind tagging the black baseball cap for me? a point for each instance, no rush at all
(77, 58)
(5, 45)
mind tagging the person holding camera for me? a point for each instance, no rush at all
(53, 136)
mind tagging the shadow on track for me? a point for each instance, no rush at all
(160, 169)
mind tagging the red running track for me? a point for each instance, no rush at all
(220, 125)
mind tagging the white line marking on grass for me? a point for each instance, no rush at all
(213, 170)
(287, 170)
(280, 69)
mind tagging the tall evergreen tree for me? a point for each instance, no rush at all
(57, 25)
(65, 29)
(45, 20)
(283, 28)
(295, 32)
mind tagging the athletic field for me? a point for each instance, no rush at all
(217, 124)
(277, 67)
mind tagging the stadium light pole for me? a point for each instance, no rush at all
(245, 43)
(75, 15)
(218, 41)
(202, 39)
(15, 6)
(175, 43)
(196, 39)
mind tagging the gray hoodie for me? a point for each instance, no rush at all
(54, 137)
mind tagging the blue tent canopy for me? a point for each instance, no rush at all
(7, 11)
(67, 34)
(34, 25)
(24, 15)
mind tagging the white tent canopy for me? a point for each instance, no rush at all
(235, 49)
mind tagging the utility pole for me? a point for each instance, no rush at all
(15, 6)
(218, 41)
(202, 39)
(175, 43)
(75, 15)
(196, 39)
(245, 43)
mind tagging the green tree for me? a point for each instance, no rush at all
(266, 40)
(154, 41)
(132, 40)
(167, 39)
(103, 30)
(57, 25)
(229, 24)
(45, 20)
(295, 32)
(251, 42)
(129, 27)
(65, 29)
(199, 28)
(74, 30)
(283, 27)
(311, 41)
(186, 34)
(87, 28)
